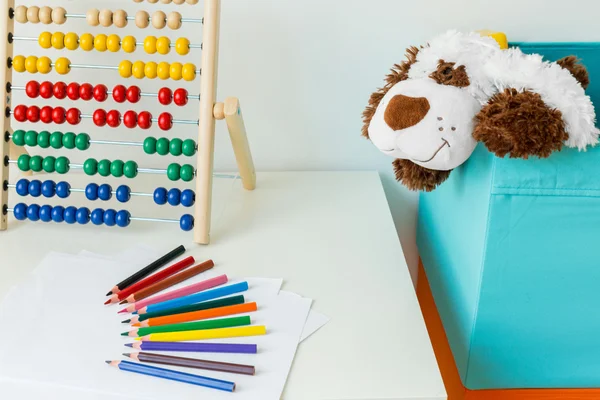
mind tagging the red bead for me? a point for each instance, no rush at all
(113, 118)
(46, 114)
(59, 115)
(145, 120)
(73, 91)
(60, 90)
(134, 94)
(86, 92)
(165, 121)
(119, 93)
(99, 117)
(165, 96)
(100, 93)
(32, 89)
(46, 90)
(130, 119)
(180, 97)
(33, 114)
(73, 116)
(20, 113)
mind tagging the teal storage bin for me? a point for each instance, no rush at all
(511, 249)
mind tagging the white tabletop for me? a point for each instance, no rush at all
(330, 235)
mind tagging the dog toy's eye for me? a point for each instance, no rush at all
(447, 71)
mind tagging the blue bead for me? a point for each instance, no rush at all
(123, 218)
(91, 192)
(160, 196)
(35, 188)
(105, 192)
(83, 215)
(70, 215)
(33, 212)
(174, 197)
(48, 189)
(20, 211)
(46, 213)
(123, 193)
(188, 198)
(186, 223)
(58, 214)
(63, 190)
(23, 187)
(98, 216)
(110, 217)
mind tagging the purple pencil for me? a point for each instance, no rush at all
(195, 347)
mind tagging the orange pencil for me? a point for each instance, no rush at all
(198, 315)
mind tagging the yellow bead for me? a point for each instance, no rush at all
(113, 43)
(182, 46)
(163, 45)
(31, 64)
(86, 42)
(43, 65)
(129, 44)
(71, 41)
(189, 72)
(125, 68)
(45, 40)
(164, 70)
(150, 44)
(151, 70)
(19, 63)
(138, 69)
(100, 42)
(176, 70)
(58, 40)
(63, 66)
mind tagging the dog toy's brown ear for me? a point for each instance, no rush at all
(571, 63)
(415, 177)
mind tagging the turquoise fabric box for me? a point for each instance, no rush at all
(511, 249)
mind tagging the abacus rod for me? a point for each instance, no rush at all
(90, 66)
(114, 142)
(12, 210)
(77, 190)
(141, 44)
(130, 18)
(110, 92)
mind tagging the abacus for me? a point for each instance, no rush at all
(13, 150)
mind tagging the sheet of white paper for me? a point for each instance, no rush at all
(314, 322)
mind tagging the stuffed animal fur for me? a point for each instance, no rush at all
(461, 89)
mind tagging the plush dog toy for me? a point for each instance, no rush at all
(461, 89)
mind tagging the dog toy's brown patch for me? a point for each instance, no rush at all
(404, 111)
(448, 74)
(415, 177)
(580, 73)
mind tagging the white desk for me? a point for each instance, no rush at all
(329, 235)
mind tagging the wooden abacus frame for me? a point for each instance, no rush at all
(209, 112)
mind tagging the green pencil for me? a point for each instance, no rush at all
(190, 326)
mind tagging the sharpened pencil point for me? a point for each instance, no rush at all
(109, 293)
(107, 302)
(123, 311)
(127, 354)
(126, 321)
(123, 302)
(125, 334)
(129, 345)
(108, 362)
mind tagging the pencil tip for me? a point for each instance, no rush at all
(107, 302)
(125, 334)
(109, 293)
(123, 311)
(127, 354)
(123, 302)
(126, 321)
(129, 345)
(108, 362)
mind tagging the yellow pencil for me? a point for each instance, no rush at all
(205, 334)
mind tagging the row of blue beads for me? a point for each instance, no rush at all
(174, 197)
(104, 192)
(48, 189)
(71, 215)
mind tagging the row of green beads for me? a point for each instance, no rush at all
(176, 172)
(164, 146)
(56, 140)
(116, 168)
(49, 164)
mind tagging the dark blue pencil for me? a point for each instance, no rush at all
(195, 347)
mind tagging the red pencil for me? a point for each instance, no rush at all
(159, 276)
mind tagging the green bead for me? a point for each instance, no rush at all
(162, 146)
(150, 145)
(18, 137)
(130, 169)
(82, 141)
(23, 162)
(176, 147)
(43, 139)
(90, 166)
(35, 163)
(189, 147)
(116, 168)
(104, 167)
(69, 140)
(187, 173)
(173, 172)
(56, 140)
(31, 138)
(49, 164)
(62, 165)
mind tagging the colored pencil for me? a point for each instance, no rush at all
(205, 335)
(144, 272)
(207, 305)
(198, 315)
(232, 348)
(173, 375)
(169, 282)
(175, 294)
(192, 363)
(152, 279)
(196, 298)
(191, 326)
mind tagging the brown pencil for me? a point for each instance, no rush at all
(167, 283)
(152, 358)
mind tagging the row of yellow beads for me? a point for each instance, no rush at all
(43, 65)
(152, 70)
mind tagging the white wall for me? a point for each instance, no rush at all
(304, 70)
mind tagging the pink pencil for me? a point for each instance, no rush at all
(174, 294)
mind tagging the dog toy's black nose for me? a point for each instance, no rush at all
(403, 112)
